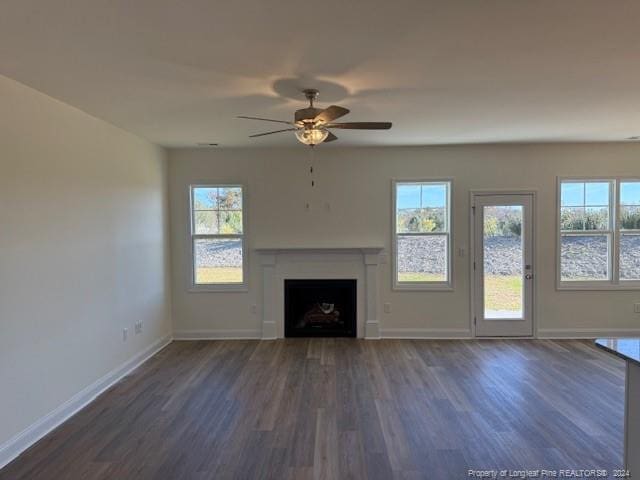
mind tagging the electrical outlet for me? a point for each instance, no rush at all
(387, 307)
(138, 327)
(125, 334)
(254, 309)
(636, 307)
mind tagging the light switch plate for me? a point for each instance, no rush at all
(636, 307)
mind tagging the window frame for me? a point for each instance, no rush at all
(427, 285)
(614, 282)
(192, 237)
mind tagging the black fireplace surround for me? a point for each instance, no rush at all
(320, 308)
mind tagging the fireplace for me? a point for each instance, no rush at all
(320, 308)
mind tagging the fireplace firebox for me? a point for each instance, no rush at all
(320, 308)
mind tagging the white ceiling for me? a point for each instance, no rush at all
(448, 71)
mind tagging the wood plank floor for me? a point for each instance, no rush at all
(344, 408)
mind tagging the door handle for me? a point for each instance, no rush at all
(529, 276)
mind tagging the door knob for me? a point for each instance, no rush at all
(529, 276)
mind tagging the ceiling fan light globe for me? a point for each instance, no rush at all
(312, 136)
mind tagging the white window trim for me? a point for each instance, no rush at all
(422, 286)
(217, 287)
(614, 283)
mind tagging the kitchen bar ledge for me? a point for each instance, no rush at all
(629, 350)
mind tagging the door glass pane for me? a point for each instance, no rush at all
(503, 262)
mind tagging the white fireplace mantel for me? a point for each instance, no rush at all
(359, 262)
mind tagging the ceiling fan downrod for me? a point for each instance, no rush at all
(311, 94)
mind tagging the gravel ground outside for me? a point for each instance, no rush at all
(630, 257)
(219, 253)
(582, 257)
(422, 254)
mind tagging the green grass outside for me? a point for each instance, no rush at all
(501, 292)
(420, 277)
(219, 275)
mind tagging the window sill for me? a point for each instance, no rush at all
(600, 287)
(221, 288)
(417, 287)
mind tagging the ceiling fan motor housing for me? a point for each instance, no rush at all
(308, 114)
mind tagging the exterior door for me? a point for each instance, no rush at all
(503, 264)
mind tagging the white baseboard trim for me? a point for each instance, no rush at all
(13, 447)
(372, 330)
(218, 334)
(578, 333)
(268, 331)
(425, 333)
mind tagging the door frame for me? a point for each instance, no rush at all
(534, 257)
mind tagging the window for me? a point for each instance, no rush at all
(629, 231)
(422, 234)
(217, 236)
(599, 239)
(586, 230)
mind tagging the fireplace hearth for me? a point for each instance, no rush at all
(320, 308)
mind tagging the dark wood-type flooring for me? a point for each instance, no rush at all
(344, 408)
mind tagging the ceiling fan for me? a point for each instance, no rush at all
(312, 125)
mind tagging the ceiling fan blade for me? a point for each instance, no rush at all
(330, 138)
(265, 119)
(275, 131)
(329, 114)
(361, 125)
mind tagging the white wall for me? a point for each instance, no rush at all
(83, 253)
(356, 183)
